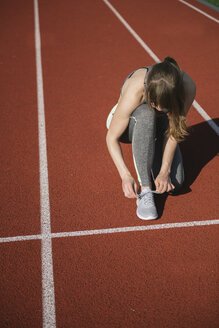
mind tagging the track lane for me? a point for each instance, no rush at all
(76, 114)
(19, 211)
(20, 269)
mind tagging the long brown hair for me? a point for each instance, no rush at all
(165, 89)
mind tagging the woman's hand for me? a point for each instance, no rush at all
(129, 187)
(163, 183)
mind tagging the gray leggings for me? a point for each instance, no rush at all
(146, 134)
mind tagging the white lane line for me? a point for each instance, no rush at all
(135, 228)
(114, 230)
(19, 238)
(48, 295)
(199, 109)
(200, 11)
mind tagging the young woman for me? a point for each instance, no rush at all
(151, 115)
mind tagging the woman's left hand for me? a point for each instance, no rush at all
(163, 183)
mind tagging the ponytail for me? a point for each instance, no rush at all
(171, 61)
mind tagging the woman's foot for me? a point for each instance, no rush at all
(146, 209)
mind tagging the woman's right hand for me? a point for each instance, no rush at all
(129, 187)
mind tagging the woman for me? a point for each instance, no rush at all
(151, 115)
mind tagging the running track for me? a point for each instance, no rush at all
(73, 252)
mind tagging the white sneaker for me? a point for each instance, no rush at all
(146, 209)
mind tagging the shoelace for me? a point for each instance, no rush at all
(148, 200)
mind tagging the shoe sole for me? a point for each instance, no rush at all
(148, 218)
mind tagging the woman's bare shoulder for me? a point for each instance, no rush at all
(130, 98)
(136, 81)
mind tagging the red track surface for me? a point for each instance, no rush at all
(161, 278)
(18, 125)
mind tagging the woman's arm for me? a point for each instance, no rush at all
(127, 103)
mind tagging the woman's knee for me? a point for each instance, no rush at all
(143, 112)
